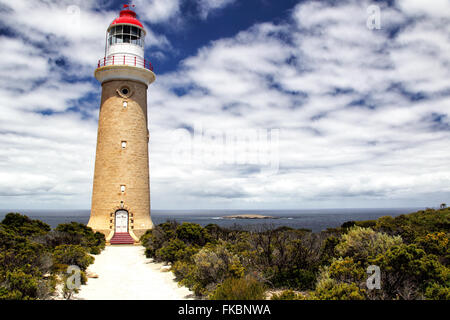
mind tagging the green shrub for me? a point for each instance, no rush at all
(363, 243)
(28, 250)
(288, 295)
(216, 263)
(328, 250)
(192, 233)
(185, 273)
(330, 289)
(348, 224)
(407, 271)
(19, 252)
(347, 270)
(7, 294)
(156, 238)
(77, 234)
(171, 251)
(435, 243)
(437, 292)
(417, 224)
(366, 223)
(72, 255)
(294, 278)
(239, 289)
(207, 267)
(24, 226)
(19, 281)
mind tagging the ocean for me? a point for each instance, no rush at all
(313, 219)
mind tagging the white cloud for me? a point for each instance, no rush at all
(354, 107)
(371, 143)
(207, 6)
(439, 9)
(156, 11)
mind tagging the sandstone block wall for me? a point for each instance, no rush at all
(116, 166)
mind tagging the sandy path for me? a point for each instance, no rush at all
(125, 273)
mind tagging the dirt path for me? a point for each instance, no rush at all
(125, 273)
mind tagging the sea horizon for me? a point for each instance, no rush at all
(313, 219)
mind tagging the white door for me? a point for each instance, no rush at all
(121, 221)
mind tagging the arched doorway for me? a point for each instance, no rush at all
(121, 221)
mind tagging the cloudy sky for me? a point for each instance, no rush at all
(257, 103)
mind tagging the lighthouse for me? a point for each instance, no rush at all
(121, 190)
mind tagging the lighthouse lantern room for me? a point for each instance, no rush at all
(121, 189)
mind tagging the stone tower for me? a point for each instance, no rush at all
(121, 191)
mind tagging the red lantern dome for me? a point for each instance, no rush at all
(127, 16)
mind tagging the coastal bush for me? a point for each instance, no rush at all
(184, 271)
(363, 243)
(436, 243)
(326, 265)
(328, 288)
(8, 294)
(160, 235)
(79, 234)
(216, 232)
(288, 295)
(331, 290)
(295, 259)
(32, 256)
(24, 226)
(366, 223)
(246, 288)
(407, 272)
(171, 251)
(171, 241)
(215, 263)
(416, 224)
(22, 282)
(169, 228)
(69, 254)
(328, 250)
(22, 265)
(208, 267)
(348, 224)
(192, 233)
(437, 291)
(293, 278)
(346, 270)
(19, 251)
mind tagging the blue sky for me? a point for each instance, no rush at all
(257, 104)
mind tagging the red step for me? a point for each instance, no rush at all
(122, 238)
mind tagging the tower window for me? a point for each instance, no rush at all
(126, 34)
(124, 92)
(122, 188)
(124, 144)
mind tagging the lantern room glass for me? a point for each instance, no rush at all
(126, 34)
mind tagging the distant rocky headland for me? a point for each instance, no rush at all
(248, 216)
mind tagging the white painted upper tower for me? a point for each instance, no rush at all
(125, 47)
